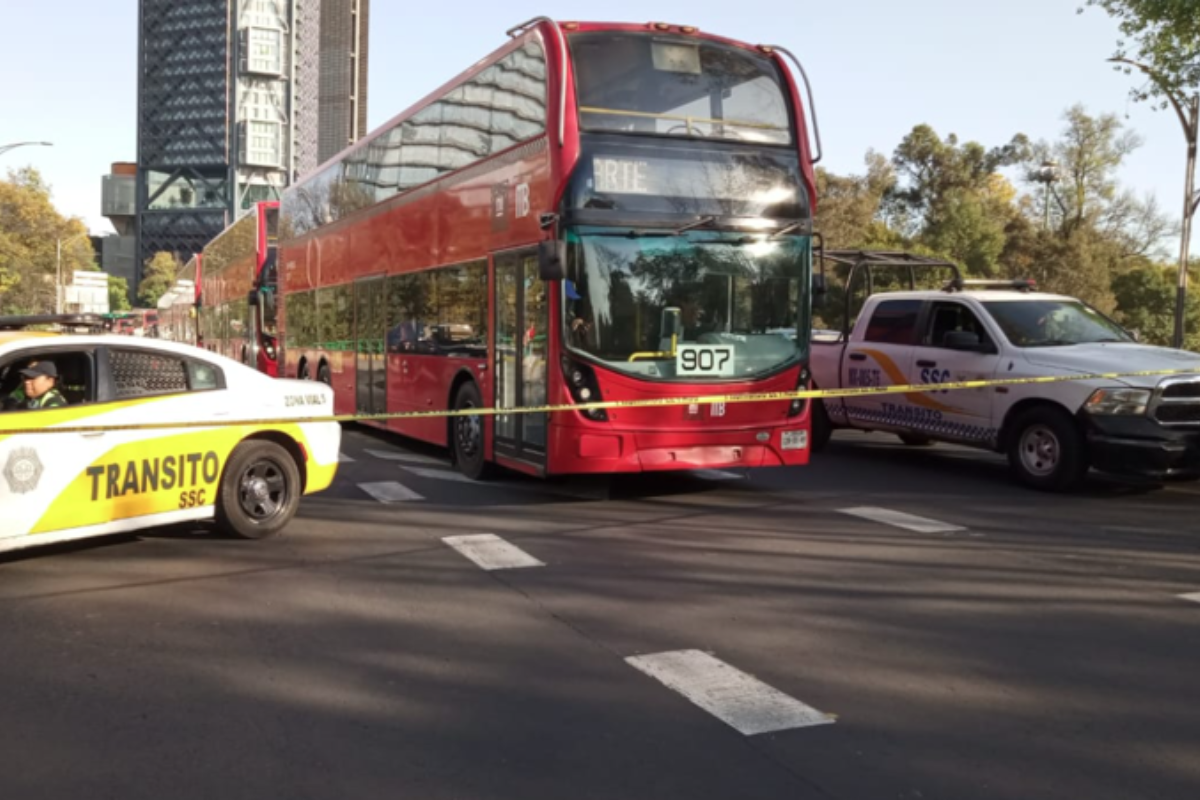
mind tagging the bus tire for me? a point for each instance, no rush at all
(259, 491)
(1046, 450)
(467, 434)
(323, 375)
(822, 427)
(303, 373)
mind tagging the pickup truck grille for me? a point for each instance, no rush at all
(1177, 402)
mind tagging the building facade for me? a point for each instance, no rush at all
(343, 75)
(230, 104)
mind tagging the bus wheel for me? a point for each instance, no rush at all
(822, 428)
(304, 376)
(466, 434)
(323, 375)
(259, 492)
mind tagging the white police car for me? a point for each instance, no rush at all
(59, 484)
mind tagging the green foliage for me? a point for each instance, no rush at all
(118, 294)
(1146, 303)
(158, 278)
(30, 230)
(1162, 34)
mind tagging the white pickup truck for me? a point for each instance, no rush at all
(1052, 433)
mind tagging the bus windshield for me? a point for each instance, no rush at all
(678, 86)
(648, 304)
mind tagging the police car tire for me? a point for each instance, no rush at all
(1072, 459)
(471, 464)
(232, 518)
(822, 427)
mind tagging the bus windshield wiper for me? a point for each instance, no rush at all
(703, 222)
(788, 228)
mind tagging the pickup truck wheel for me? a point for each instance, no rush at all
(1046, 450)
(915, 440)
(259, 491)
(822, 428)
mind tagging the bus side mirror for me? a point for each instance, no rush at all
(252, 298)
(819, 288)
(552, 260)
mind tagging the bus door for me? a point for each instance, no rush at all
(370, 365)
(522, 356)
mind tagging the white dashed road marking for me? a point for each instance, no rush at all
(741, 701)
(439, 474)
(899, 519)
(412, 458)
(1194, 597)
(490, 552)
(390, 492)
(344, 459)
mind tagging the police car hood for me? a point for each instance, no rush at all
(1103, 358)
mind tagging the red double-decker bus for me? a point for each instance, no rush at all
(177, 307)
(593, 212)
(238, 289)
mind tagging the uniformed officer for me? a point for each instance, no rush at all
(40, 389)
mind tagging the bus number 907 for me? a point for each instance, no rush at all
(700, 359)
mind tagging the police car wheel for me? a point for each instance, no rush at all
(822, 428)
(1046, 450)
(260, 491)
(467, 434)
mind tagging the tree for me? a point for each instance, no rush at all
(1145, 297)
(158, 278)
(30, 228)
(849, 208)
(118, 294)
(1166, 34)
(950, 197)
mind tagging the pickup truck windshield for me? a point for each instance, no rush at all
(649, 305)
(1053, 323)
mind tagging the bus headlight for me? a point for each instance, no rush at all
(798, 405)
(1114, 402)
(584, 388)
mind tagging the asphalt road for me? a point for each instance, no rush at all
(778, 634)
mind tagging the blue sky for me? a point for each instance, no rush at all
(878, 68)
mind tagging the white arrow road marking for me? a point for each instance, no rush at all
(490, 552)
(390, 492)
(741, 701)
(1194, 597)
(899, 519)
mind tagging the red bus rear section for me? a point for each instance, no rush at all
(593, 212)
(238, 287)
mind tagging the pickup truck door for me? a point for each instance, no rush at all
(962, 414)
(882, 356)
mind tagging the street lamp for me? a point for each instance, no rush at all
(1047, 173)
(58, 287)
(1188, 109)
(6, 147)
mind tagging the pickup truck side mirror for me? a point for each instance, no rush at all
(967, 341)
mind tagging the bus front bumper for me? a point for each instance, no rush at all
(579, 450)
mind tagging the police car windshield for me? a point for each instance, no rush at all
(1054, 323)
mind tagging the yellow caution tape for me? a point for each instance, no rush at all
(657, 402)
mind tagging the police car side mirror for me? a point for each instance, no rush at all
(967, 341)
(552, 260)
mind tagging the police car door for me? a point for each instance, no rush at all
(882, 356)
(955, 345)
(36, 467)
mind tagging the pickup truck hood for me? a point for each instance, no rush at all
(1091, 359)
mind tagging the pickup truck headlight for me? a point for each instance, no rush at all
(1112, 402)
